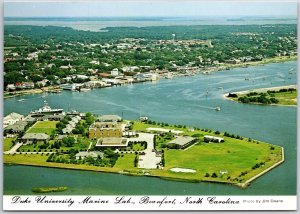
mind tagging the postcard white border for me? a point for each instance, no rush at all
(105, 203)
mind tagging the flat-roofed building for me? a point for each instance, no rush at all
(181, 142)
(208, 138)
(112, 142)
(109, 118)
(105, 129)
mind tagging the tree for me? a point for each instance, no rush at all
(136, 161)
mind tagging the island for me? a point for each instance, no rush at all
(51, 137)
(282, 95)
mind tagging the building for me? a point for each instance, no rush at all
(11, 119)
(105, 129)
(114, 72)
(94, 155)
(112, 142)
(181, 142)
(35, 137)
(208, 138)
(17, 127)
(109, 118)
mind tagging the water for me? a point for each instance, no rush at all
(98, 24)
(185, 100)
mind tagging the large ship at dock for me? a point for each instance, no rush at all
(46, 109)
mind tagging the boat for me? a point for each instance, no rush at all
(21, 100)
(46, 109)
(84, 89)
(48, 189)
(217, 108)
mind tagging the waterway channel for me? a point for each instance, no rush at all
(184, 100)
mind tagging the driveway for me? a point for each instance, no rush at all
(149, 160)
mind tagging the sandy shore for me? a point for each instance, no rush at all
(277, 88)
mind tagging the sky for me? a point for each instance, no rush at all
(149, 9)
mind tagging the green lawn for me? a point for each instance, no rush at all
(234, 156)
(287, 98)
(8, 143)
(43, 127)
(125, 162)
(284, 98)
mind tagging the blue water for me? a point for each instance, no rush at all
(184, 100)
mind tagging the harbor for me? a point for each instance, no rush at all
(180, 97)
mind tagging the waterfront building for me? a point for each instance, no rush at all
(208, 138)
(17, 127)
(114, 72)
(109, 118)
(181, 142)
(11, 119)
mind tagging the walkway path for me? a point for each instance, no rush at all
(14, 149)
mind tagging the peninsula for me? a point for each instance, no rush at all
(282, 95)
(107, 143)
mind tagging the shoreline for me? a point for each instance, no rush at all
(276, 88)
(248, 182)
(205, 71)
(139, 171)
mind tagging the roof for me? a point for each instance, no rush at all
(90, 154)
(105, 118)
(13, 116)
(213, 137)
(182, 140)
(111, 141)
(36, 136)
(106, 125)
(18, 126)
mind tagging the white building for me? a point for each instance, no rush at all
(11, 119)
(114, 72)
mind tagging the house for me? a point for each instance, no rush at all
(181, 142)
(208, 138)
(67, 130)
(94, 154)
(109, 118)
(35, 137)
(114, 72)
(24, 85)
(17, 127)
(10, 87)
(11, 119)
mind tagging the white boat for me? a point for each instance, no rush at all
(217, 108)
(46, 109)
(21, 100)
(85, 89)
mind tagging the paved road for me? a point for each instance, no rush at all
(149, 160)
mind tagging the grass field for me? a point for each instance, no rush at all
(234, 156)
(234, 161)
(284, 98)
(43, 127)
(287, 98)
(7, 143)
(125, 162)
